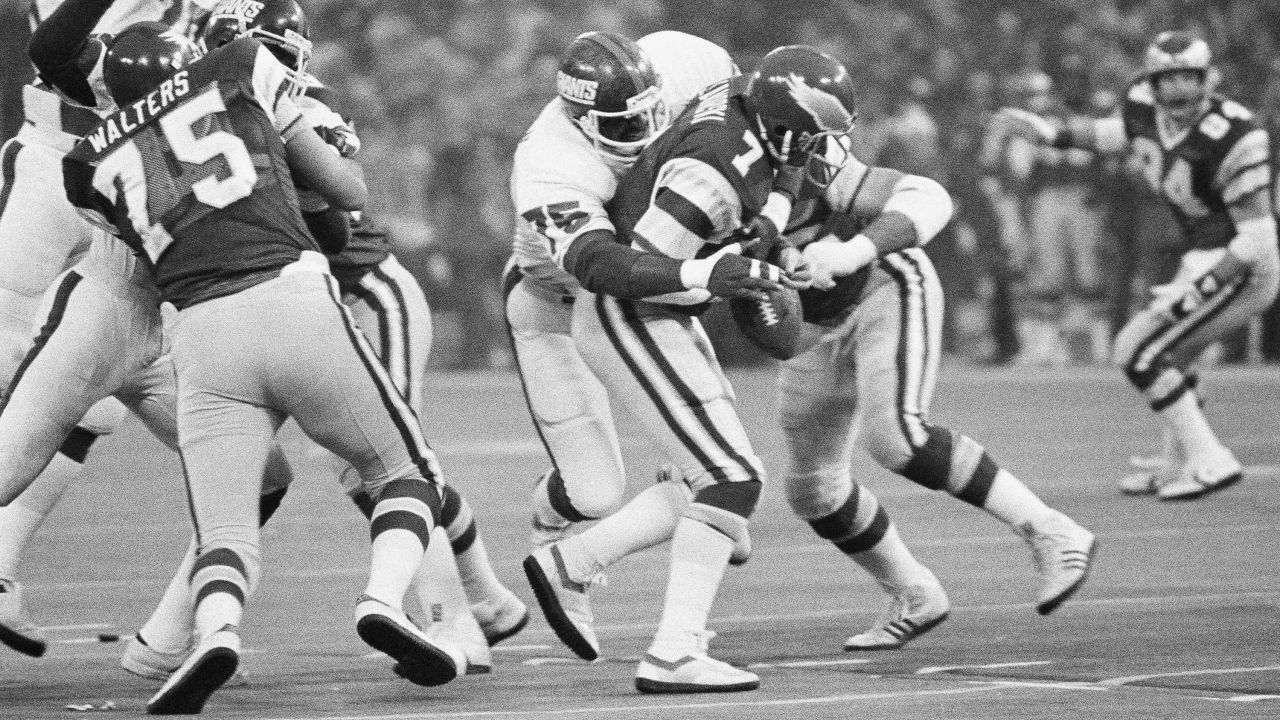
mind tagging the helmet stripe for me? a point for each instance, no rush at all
(629, 61)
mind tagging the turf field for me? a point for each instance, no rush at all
(1180, 619)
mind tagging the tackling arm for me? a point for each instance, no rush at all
(58, 44)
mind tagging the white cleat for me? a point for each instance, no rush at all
(16, 629)
(462, 632)
(1198, 478)
(1148, 482)
(565, 602)
(146, 662)
(211, 664)
(500, 617)
(1063, 553)
(913, 611)
(421, 660)
(691, 670)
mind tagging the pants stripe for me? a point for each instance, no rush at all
(639, 331)
(1162, 340)
(370, 298)
(913, 350)
(401, 322)
(510, 279)
(8, 168)
(60, 301)
(402, 416)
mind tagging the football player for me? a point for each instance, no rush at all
(260, 332)
(389, 306)
(719, 171)
(877, 294)
(1210, 160)
(41, 236)
(614, 96)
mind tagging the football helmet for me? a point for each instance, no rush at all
(141, 57)
(801, 97)
(1179, 51)
(612, 92)
(280, 25)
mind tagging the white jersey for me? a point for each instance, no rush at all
(560, 184)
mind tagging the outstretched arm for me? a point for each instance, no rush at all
(58, 48)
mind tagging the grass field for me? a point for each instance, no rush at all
(1180, 619)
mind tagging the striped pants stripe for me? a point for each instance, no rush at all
(660, 364)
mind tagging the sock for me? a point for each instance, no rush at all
(1189, 425)
(20, 518)
(170, 625)
(890, 562)
(221, 580)
(470, 558)
(401, 527)
(699, 556)
(1013, 502)
(648, 519)
(543, 509)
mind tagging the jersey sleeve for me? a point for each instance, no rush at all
(704, 193)
(1138, 113)
(77, 180)
(69, 58)
(559, 192)
(1246, 168)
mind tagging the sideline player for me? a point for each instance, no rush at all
(260, 333)
(879, 297)
(41, 236)
(389, 307)
(1210, 160)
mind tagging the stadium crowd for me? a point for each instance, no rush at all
(442, 92)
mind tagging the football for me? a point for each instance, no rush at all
(775, 325)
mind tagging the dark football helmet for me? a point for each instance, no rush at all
(611, 90)
(141, 57)
(280, 25)
(801, 98)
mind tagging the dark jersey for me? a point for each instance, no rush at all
(1222, 159)
(699, 182)
(194, 176)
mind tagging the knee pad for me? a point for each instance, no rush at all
(103, 417)
(592, 502)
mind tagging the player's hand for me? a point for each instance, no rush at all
(1025, 123)
(341, 138)
(1176, 300)
(829, 258)
(789, 176)
(728, 274)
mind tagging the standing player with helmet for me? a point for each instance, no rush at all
(48, 430)
(389, 307)
(260, 333)
(878, 295)
(615, 96)
(1210, 160)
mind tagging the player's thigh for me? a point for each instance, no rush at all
(152, 394)
(567, 403)
(389, 306)
(896, 352)
(654, 366)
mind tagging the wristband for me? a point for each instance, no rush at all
(695, 274)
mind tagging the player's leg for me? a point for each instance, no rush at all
(1155, 351)
(818, 410)
(391, 309)
(570, 412)
(897, 352)
(329, 379)
(658, 364)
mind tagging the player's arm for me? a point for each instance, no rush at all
(1245, 181)
(903, 210)
(1102, 135)
(322, 169)
(61, 48)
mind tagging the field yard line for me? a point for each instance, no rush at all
(557, 712)
(929, 670)
(1116, 682)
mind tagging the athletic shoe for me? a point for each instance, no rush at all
(565, 602)
(146, 662)
(16, 629)
(1221, 470)
(422, 660)
(1148, 482)
(1063, 552)
(691, 670)
(500, 617)
(913, 611)
(461, 632)
(211, 664)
